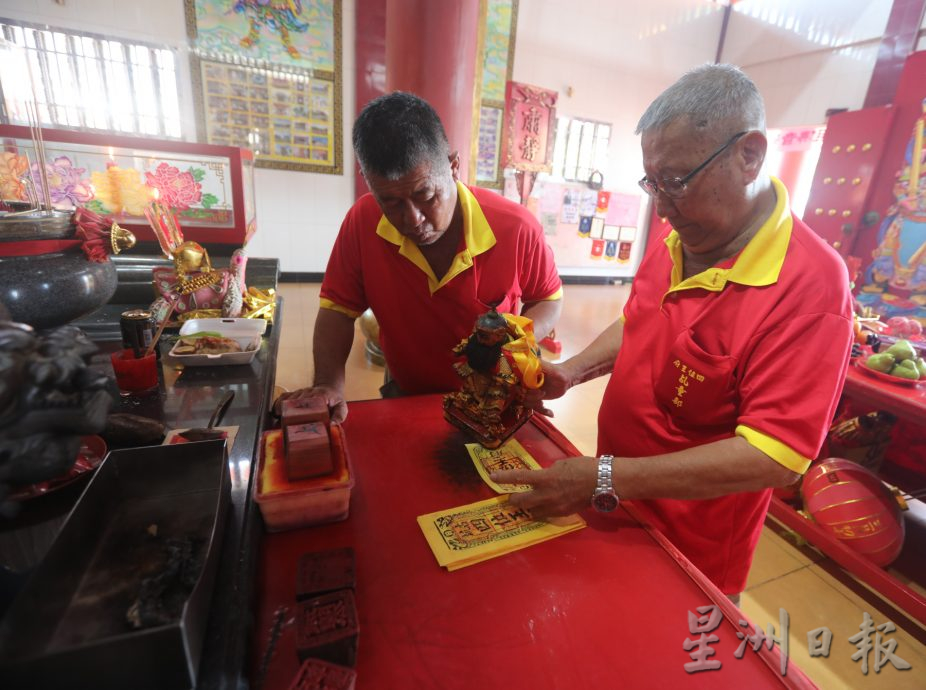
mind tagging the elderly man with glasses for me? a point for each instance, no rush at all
(728, 360)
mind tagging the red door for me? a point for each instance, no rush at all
(853, 147)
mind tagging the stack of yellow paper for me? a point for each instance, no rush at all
(479, 531)
(511, 456)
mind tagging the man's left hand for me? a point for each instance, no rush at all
(562, 489)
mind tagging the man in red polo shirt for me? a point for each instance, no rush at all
(729, 358)
(427, 253)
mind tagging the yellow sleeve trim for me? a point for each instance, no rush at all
(555, 296)
(333, 306)
(775, 449)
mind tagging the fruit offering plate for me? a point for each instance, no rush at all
(860, 364)
(917, 342)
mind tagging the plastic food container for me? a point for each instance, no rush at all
(246, 332)
(290, 505)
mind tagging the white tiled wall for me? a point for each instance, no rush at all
(807, 57)
(615, 56)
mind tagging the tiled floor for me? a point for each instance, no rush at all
(813, 590)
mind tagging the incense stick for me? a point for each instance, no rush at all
(157, 335)
(38, 142)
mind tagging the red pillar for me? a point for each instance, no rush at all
(899, 40)
(370, 60)
(431, 52)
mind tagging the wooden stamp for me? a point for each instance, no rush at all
(307, 450)
(303, 411)
(326, 628)
(325, 571)
(315, 674)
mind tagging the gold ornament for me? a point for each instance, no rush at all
(201, 314)
(259, 304)
(120, 238)
(187, 285)
(190, 257)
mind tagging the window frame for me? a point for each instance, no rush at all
(161, 75)
(560, 158)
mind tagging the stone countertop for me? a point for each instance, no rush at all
(185, 398)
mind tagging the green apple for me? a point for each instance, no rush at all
(882, 362)
(902, 350)
(906, 370)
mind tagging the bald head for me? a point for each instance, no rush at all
(712, 99)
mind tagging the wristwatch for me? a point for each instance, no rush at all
(604, 500)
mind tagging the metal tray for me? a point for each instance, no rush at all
(67, 628)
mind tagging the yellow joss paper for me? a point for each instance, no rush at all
(510, 456)
(479, 531)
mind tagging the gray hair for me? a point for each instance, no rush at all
(397, 132)
(711, 97)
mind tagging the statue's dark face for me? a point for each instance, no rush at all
(482, 355)
(491, 337)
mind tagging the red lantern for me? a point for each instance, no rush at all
(851, 503)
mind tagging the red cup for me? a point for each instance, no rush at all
(134, 375)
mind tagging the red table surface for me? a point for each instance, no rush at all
(602, 607)
(907, 402)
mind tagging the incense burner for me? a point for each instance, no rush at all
(46, 278)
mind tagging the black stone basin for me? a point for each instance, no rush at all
(52, 289)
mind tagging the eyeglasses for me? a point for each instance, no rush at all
(675, 187)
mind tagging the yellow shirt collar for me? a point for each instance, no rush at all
(477, 236)
(760, 261)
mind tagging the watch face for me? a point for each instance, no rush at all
(604, 502)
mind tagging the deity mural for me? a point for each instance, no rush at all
(896, 280)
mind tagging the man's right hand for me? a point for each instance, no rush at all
(334, 398)
(556, 381)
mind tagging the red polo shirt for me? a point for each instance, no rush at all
(502, 259)
(757, 347)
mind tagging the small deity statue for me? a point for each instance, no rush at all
(193, 285)
(498, 363)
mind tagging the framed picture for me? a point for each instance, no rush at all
(497, 41)
(527, 136)
(267, 76)
(210, 188)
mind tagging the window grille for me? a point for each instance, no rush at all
(88, 82)
(581, 147)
